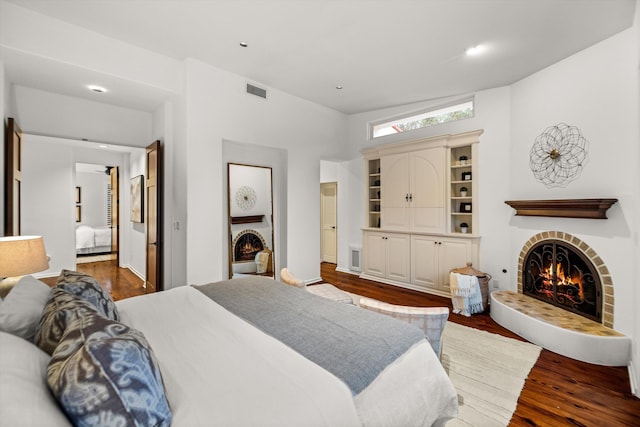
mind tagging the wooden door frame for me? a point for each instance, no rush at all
(13, 178)
(158, 243)
(115, 207)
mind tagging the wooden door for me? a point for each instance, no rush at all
(114, 188)
(13, 178)
(153, 216)
(328, 219)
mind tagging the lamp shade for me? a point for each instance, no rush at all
(20, 255)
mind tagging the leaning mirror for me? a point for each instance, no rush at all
(250, 208)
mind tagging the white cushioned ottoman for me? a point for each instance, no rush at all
(327, 290)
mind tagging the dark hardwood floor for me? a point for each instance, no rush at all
(121, 282)
(559, 391)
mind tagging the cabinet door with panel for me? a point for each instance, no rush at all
(374, 260)
(434, 257)
(398, 259)
(394, 201)
(427, 190)
(452, 253)
(424, 263)
(413, 191)
(386, 255)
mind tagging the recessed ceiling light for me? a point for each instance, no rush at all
(244, 44)
(475, 50)
(338, 87)
(97, 89)
(102, 146)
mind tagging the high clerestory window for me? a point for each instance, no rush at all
(431, 117)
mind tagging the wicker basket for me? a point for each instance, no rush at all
(483, 281)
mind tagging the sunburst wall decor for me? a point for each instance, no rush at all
(558, 155)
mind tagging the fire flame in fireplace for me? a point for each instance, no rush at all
(561, 279)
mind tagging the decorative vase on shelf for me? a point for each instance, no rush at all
(463, 191)
(463, 160)
(464, 227)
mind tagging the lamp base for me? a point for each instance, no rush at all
(7, 284)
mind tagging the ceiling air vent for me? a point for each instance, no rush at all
(257, 91)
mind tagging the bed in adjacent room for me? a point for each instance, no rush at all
(249, 351)
(93, 240)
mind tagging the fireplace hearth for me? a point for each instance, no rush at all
(562, 270)
(560, 274)
(564, 301)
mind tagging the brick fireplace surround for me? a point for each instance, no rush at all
(559, 330)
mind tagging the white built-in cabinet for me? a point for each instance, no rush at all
(422, 217)
(434, 257)
(388, 255)
(414, 199)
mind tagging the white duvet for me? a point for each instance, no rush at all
(221, 371)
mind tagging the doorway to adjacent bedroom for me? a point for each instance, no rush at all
(96, 196)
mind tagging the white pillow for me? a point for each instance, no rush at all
(21, 310)
(25, 399)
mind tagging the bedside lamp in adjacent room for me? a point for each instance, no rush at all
(20, 255)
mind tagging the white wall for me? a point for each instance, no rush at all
(93, 198)
(48, 198)
(137, 247)
(218, 109)
(47, 113)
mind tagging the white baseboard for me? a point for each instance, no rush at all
(133, 270)
(315, 280)
(633, 379)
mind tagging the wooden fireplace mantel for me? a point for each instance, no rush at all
(564, 208)
(246, 219)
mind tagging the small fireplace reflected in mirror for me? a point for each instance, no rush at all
(561, 275)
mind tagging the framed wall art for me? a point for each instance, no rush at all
(137, 199)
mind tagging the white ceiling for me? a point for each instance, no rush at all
(383, 53)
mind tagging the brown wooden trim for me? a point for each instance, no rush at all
(565, 208)
(246, 219)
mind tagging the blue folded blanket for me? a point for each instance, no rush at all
(353, 344)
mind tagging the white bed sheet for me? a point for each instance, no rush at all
(220, 370)
(102, 235)
(84, 237)
(88, 237)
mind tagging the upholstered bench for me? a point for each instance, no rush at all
(431, 320)
(325, 290)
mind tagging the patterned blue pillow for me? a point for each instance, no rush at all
(58, 312)
(89, 289)
(105, 373)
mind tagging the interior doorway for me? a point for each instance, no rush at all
(96, 212)
(329, 222)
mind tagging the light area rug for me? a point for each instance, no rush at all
(488, 372)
